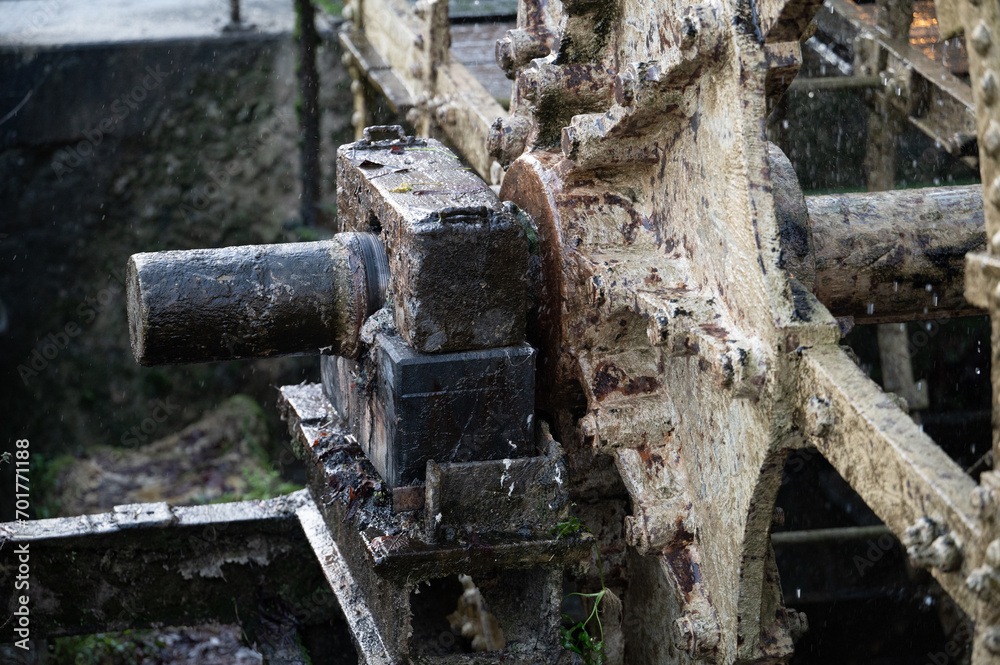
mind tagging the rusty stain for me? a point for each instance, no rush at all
(609, 378)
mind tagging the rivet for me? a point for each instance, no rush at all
(989, 87)
(981, 38)
(995, 192)
(991, 139)
(991, 640)
(993, 553)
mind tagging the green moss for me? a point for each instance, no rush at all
(101, 649)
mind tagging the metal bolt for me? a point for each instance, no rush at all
(981, 38)
(991, 640)
(922, 532)
(690, 27)
(989, 87)
(625, 88)
(995, 192)
(993, 554)
(945, 553)
(991, 139)
(984, 499)
(657, 328)
(930, 545)
(985, 583)
(504, 54)
(508, 138)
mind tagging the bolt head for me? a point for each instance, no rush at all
(984, 499)
(981, 38)
(989, 86)
(505, 54)
(922, 532)
(690, 27)
(991, 640)
(993, 554)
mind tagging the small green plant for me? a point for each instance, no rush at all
(576, 637)
(5, 458)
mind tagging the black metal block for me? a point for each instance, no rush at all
(407, 407)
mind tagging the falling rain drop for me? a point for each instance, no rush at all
(895, 286)
(871, 308)
(928, 288)
(977, 370)
(935, 300)
(798, 593)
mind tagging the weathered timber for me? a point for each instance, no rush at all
(253, 301)
(896, 256)
(148, 565)
(896, 468)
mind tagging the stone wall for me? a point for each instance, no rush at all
(126, 148)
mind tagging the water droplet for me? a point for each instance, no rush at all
(935, 300)
(977, 370)
(928, 288)
(871, 308)
(798, 592)
(895, 286)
